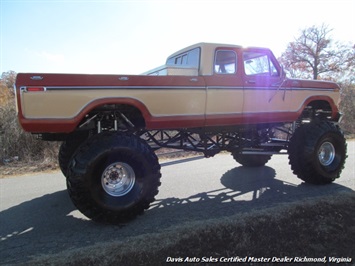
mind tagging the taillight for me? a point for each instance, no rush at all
(33, 89)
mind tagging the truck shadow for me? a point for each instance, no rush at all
(244, 189)
(51, 224)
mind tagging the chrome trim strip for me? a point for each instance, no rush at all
(287, 88)
(181, 88)
(310, 89)
(267, 88)
(126, 88)
(224, 88)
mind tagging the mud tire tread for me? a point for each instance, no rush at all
(303, 152)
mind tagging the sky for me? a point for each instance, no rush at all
(131, 37)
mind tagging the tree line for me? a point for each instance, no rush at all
(313, 54)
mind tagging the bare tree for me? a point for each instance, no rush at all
(315, 55)
(8, 79)
(7, 84)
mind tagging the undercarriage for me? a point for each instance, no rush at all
(269, 140)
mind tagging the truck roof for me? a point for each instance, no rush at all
(205, 55)
(204, 45)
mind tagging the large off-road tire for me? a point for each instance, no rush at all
(67, 149)
(251, 160)
(317, 152)
(113, 177)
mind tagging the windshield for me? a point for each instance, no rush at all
(258, 63)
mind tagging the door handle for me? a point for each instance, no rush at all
(193, 79)
(251, 81)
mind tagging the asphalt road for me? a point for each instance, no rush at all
(37, 216)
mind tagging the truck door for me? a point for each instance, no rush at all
(265, 97)
(224, 103)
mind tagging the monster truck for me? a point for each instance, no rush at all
(207, 98)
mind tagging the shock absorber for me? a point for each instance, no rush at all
(99, 129)
(99, 123)
(115, 122)
(130, 124)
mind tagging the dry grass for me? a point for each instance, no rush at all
(20, 149)
(314, 228)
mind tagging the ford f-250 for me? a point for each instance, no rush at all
(206, 98)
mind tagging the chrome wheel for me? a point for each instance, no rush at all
(118, 179)
(326, 153)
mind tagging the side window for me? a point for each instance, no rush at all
(258, 63)
(190, 58)
(225, 62)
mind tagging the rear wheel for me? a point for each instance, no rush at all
(113, 177)
(317, 152)
(67, 149)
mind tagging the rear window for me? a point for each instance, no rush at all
(225, 62)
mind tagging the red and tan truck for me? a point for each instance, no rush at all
(206, 98)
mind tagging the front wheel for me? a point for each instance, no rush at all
(317, 152)
(113, 177)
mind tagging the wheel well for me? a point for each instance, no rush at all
(113, 116)
(320, 105)
(317, 109)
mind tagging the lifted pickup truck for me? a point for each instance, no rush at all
(206, 98)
